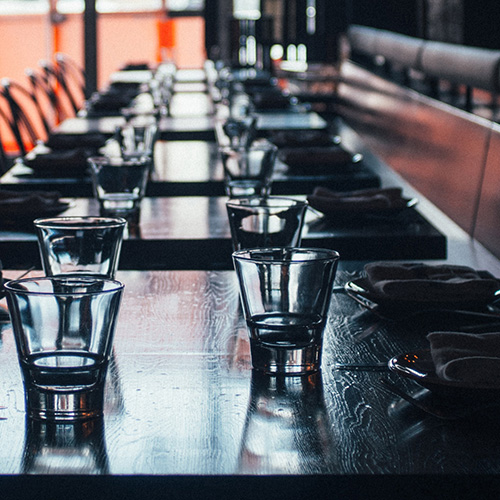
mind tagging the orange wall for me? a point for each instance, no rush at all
(24, 40)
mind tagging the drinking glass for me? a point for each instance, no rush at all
(80, 245)
(248, 171)
(265, 222)
(64, 327)
(285, 294)
(120, 183)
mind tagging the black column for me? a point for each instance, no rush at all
(90, 46)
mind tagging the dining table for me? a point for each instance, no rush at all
(186, 416)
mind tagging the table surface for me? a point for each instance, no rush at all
(181, 401)
(196, 170)
(185, 417)
(187, 232)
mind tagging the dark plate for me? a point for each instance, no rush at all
(342, 215)
(22, 218)
(360, 290)
(419, 367)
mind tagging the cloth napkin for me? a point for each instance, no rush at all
(60, 162)
(315, 156)
(20, 208)
(354, 202)
(423, 282)
(472, 359)
(91, 141)
(302, 138)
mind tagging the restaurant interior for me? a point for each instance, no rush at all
(379, 122)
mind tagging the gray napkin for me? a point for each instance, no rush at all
(422, 282)
(473, 359)
(362, 201)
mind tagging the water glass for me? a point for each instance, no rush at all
(64, 327)
(266, 222)
(248, 171)
(138, 138)
(80, 245)
(285, 294)
(120, 183)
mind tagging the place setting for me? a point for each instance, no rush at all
(374, 205)
(452, 310)
(19, 209)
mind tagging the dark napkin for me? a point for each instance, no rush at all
(315, 156)
(270, 99)
(332, 203)
(21, 208)
(91, 141)
(471, 359)
(429, 283)
(302, 138)
(62, 163)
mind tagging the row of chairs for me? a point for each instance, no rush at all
(472, 67)
(30, 110)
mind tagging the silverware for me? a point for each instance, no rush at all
(441, 412)
(361, 366)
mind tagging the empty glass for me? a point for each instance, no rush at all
(64, 327)
(266, 222)
(285, 293)
(120, 183)
(80, 245)
(248, 171)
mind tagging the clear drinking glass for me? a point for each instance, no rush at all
(120, 183)
(266, 222)
(285, 293)
(248, 171)
(64, 327)
(80, 245)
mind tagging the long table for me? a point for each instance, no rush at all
(194, 169)
(185, 417)
(193, 233)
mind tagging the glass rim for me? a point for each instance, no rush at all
(245, 202)
(258, 254)
(80, 222)
(15, 286)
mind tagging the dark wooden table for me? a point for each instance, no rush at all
(186, 232)
(186, 418)
(193, 168)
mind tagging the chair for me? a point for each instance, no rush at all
(48, 102)
(55, 84)
(14, 105)
(73, 75)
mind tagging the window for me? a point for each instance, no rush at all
(77, 6)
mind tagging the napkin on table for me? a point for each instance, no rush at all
(361, 201)
(19, 205)
(424, 282)
(473, 359)
(314, 156)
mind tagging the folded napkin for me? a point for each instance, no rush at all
(71, 161)
(426, 283)
(90, 141)
(20, 208)
(302, 138)
(355, 202)
(471, 359)
(315, 156)
(270, 99)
